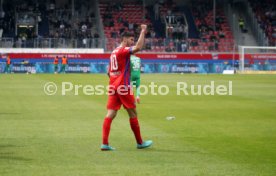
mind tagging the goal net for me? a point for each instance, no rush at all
(257, 59)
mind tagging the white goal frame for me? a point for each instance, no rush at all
(242, 53)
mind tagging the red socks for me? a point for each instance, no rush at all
(134, 124)
(106, 129)
(136, 129)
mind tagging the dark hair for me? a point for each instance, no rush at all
(127, 34)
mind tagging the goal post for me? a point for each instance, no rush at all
(257, 59)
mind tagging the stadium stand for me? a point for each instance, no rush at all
(58, 26)
(265, 12)
(219, 40)
(118, 17)
(126, 17)
(7, 21)
(216, 37)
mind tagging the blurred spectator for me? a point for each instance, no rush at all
(96, 35)
(84, 42)
(194, 43)
(126, 24)
(152, 34)
(114, 34)
(170, 31)
(216, 43)
(120, 19)
(184, 47)
(156, 9)
(185, 32)
(241, 24)
(130, 26)
(221, 34)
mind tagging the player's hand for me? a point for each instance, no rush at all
(138, 100)
(144, 27)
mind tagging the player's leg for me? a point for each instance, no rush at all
(136, 83)
(6, 69)
(9, 68)
(138, 89)
(63, 68)
(56, 68)
(128, 102)
(111, 114)
(113, 105)
(134, 124)
(133, 81)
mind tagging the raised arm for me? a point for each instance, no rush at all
(141, 39)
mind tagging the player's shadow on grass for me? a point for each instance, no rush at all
(10, 155)
(175, 151)
(6, 146)
(9, 113)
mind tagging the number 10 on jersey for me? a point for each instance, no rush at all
(113, 62)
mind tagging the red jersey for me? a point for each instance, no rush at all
(119, 66)
(56, 61)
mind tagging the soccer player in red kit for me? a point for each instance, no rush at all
(120, 92)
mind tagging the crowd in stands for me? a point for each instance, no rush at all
(7, 20)
(59, 22)
(176, 28)
(63, 25)
(161, 8)
(53, 21)
(27, 13)
(119, 17)
(265, 11)
(214, 36)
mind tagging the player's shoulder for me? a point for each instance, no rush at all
(116, 50)
(122, 48)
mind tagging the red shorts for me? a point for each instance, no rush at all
(115, 100)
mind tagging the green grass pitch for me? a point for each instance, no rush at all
(210, 136)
